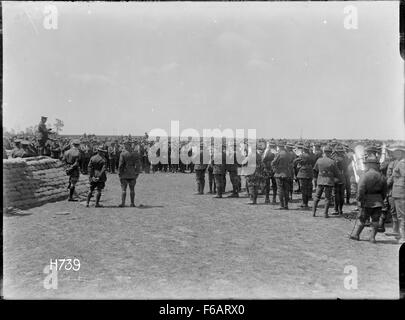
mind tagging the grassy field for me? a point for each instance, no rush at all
(181, 245)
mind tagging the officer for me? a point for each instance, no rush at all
(372, 190)
(398, 193)
(304, 165)
(326, 171)
(97, 176)
(210, 169)
(339, 187)
(256, 178)
(129, 167)
(27, 151)
(71, 159)
(200, 167)
(55, 150)
(282, 168)
(347, 173)
(43, 133)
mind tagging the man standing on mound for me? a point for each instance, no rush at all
(129, 168)
(97, 176)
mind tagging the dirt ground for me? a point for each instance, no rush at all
(185, 246)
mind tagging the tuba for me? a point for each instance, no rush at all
(358, 158)
(383, 153)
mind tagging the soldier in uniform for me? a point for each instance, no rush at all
(97, 176)
(282, 167)
(128, 170)
(71, 159)
(200, 168)
(398, 193)
(326, 171)
(17, 151)
(290, 149)
(255, 179)
(372, 190)
(339, 188)
(27, 151)
(55, 150)
(304, 165)
(268, 157)
(218, 169)
(210, 169)
(232, 168)
(43, 133)
(316, 155)
(397, 155)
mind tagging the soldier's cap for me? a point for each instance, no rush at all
(371, 148)
(17, 141)
(299, 145)
(25, 143)
(272, 144)
(76, 142)
(43, 117)
(339, 148)
(371, 159)
(327, 148)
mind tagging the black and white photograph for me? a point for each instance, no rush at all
(202, 150)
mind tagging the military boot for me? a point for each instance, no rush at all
(274, 199)
(132, 196)
(381, 227)
(314, 206)
(359, 229)
(198, 188)
(325, 212)
(374, 227)
(98, 196)
(123, 197)
(267, 200)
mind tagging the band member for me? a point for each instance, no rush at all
(129, 167)
(372, 190)
(71, 159)
(326, 170)
(97, 176)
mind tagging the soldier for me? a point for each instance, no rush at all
(27, 151)
(268, 157)
(372, 190)
(43, 133)
(347, 174)
(255, 179)
(97, 176)
(129, 167)
(304, 165)
(71, 159)
(232, 168)
(200, 168)
(210, 169)
(218, 169)
(326, 171)
(282, 167)
(339, 187)
(55, 150)
(289, 148)
(397, 154)
(17, 151)
(398, 192)
(316, 155)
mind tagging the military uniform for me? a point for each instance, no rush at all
(72, 158)
(219, 171)
(43, 133)
(282, 167)
(304, 165)
(268, 173)
(371, 192)
(256, 179)
(129, 167)
(339, 187)
(232, 168)
(326, 171)
(97, 176)
(398, 193)
(200, 169)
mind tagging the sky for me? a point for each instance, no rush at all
(286, 69)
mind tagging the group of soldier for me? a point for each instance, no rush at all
(380, 188)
